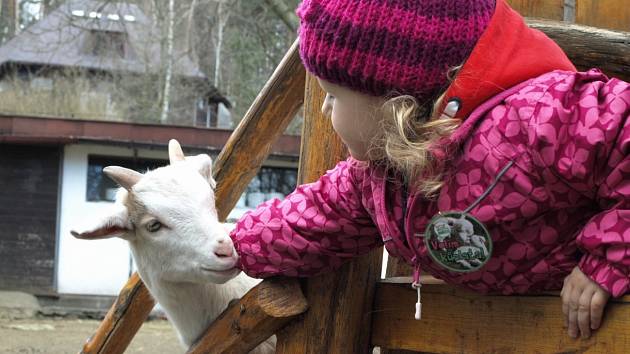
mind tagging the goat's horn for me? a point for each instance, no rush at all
(125, 177)
(175, 153)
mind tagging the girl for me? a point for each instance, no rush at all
(528, 152)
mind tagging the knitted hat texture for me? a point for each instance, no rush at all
(382, 47)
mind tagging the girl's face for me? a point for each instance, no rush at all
(355, 117)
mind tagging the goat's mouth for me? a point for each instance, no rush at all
(225, 272)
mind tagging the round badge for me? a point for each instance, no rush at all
(458, 241)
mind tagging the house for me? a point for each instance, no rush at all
(51, 173)
(64, 116)
(103, 60)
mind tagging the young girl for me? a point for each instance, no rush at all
(526, 153)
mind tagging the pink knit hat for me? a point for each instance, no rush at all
(382, 47)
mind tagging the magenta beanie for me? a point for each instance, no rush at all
(383, 47)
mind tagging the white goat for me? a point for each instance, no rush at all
(183, 254)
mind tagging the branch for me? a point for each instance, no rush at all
(284, 13)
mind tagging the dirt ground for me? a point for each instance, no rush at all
(67, 335)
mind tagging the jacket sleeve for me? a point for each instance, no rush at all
(593, 156)
(314, 229)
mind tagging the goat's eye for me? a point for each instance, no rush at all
(154, 226)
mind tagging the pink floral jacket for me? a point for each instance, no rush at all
(565, 200)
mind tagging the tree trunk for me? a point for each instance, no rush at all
(222, 19)
(190, 48)
(169, 62)
(8, 16)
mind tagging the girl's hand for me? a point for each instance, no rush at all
(583, 303)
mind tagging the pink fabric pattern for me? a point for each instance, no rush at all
(564, 202)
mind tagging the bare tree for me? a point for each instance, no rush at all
(222, 17)
(8, 16)
(169, 61)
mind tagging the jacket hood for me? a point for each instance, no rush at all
(508, 53)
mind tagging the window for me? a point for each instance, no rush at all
(102, 188)
(206, 114)
(269, 183)
(107, 43)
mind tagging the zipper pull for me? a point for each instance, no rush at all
(416, 285)
(418, 315)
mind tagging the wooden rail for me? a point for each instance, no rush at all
(458, 321)
(590, 47)
(256, 317)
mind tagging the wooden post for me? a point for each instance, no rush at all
(340, 303)
(241, 157)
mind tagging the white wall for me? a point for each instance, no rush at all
(224, 119)
(89, 267)
(99, 267)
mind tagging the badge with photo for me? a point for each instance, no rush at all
(458, 241)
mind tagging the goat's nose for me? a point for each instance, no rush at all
(223, 249)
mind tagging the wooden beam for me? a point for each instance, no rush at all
(549, 9)
(458, 321)
(254, 318)
(611, 14)
(267, 118)
(123, 320)
(239, 161)
(590, 47)
(340, 303)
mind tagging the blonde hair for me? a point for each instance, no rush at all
(409, 131)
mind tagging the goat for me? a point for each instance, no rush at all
(183, 253)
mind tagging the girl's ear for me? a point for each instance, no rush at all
(114, 223)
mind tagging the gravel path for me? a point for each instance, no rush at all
(64, 335)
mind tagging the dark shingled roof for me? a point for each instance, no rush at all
(60, 39)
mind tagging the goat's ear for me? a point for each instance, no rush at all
(175, 153)
(114, 223)
(203, 164)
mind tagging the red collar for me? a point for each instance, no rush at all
(508, 53)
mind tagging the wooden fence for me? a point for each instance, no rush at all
(610, 14)
(341, 309)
